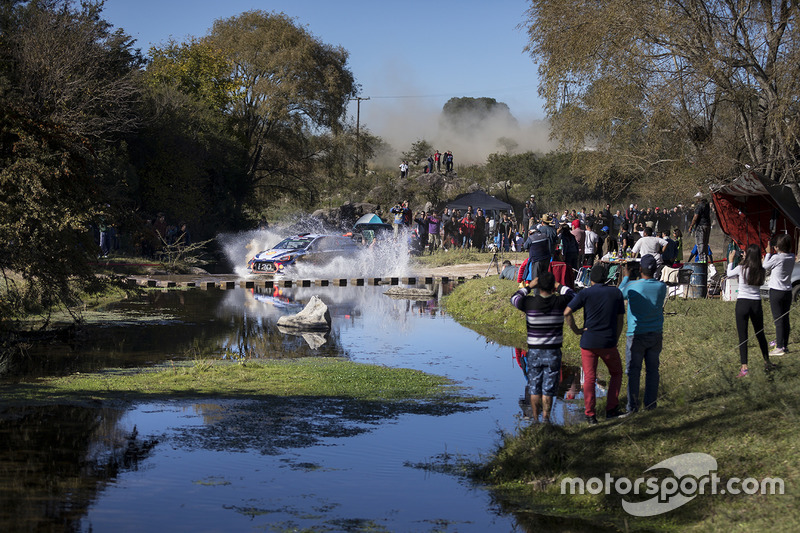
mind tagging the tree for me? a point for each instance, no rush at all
(289, 86)
(68, 95)
(670, 90)
(420, 151)
(188, 162)
(470, 114)
(196, 68)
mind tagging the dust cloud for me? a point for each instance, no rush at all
(403, 121)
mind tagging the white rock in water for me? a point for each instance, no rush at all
(314, 316)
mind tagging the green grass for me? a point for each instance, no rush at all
(318, 377)
(749, 425)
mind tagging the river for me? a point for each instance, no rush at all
(287, 465)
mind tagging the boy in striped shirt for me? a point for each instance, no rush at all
(544, 317)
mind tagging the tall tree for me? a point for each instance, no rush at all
(290, 85)
(692, 90)
(468, 114)
(190, 164)
(68, 92)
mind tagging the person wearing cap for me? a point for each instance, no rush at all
(548, 229)
(539, 254)
(645, 298)
(604, 308)
(701, 224)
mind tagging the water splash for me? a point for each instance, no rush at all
(386, 257)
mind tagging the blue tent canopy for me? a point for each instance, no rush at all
(369, 218)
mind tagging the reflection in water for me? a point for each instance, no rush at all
(55, 460)
(566, 410)
(280, 463)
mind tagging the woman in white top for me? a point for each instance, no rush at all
(780, 265)
(748, 304)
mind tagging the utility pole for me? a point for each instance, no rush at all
(358, 100)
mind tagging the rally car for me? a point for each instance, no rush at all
(306, 248)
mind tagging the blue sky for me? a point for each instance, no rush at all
(409, 57)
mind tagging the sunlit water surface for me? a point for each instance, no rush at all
(245, 465)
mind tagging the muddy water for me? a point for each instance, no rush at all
(285, 464)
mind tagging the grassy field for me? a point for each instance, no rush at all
(749, 426)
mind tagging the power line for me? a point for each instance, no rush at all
(489, 91)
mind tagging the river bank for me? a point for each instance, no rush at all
(749, 426)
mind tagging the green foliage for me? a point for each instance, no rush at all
(68, 95)
(420, 151)
(187, 161)
(289, 86)
(470, 114)
(196, 68)
(671, 91)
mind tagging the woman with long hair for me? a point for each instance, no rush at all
(748, 304)
(780, 262)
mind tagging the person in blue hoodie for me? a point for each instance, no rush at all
(645, 298)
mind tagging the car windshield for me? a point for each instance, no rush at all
(294, 243)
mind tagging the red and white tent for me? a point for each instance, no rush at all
(753, 208)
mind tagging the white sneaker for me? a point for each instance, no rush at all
(777, 352)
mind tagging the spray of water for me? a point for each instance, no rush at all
(383, 258)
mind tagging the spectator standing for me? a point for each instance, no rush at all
(589, 219)
(580, 238)
(407, 215)
(650, 244)
(751, 276)
(479, 236)
(780, 262)
(544, 320)
(160, 227)
(569, 246)
(403, 169)
(677, 236)
(645, 298)
(467, 230)
(397, 219)
(438, 158)
(670, 254)
(434, 239)
(503, 230)
(604, 308)
(526, 217)
(539, 255)
(547, 228)
(701, 223)
(421, 223)
(590, 245)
